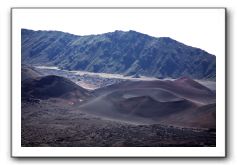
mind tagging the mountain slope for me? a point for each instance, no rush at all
(28, 72)
(128, 53)
(52, 86)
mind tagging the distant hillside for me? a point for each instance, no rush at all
(128, 53)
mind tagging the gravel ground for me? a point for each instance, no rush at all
(45, 123)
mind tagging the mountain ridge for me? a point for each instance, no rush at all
(123, 52)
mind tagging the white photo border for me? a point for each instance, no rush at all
(18, 151)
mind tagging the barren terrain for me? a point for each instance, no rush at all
(56, 111)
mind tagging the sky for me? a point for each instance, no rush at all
(202, 28)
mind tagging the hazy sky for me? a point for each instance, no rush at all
(202, 28)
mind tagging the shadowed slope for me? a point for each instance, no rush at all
(201, 117)
(146, 106)
(52, 87)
